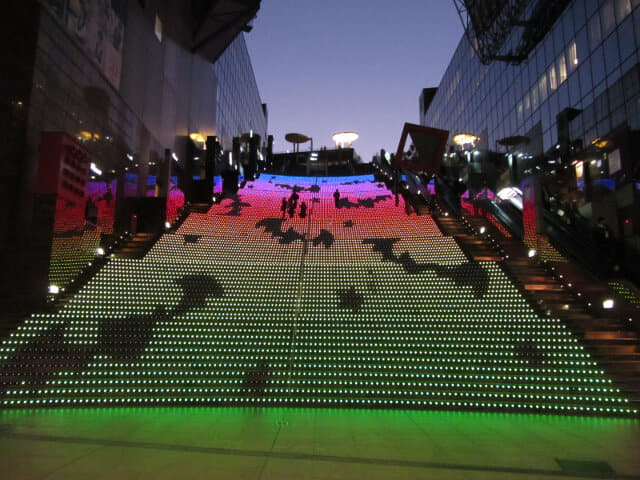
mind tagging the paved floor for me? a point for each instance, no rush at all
(233, 443)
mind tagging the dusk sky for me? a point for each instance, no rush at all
(349, 65)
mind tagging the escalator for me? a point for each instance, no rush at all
(506, 214)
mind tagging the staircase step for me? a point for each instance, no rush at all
(543, 287)
(606, 335)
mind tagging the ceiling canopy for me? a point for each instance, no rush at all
(218, 22)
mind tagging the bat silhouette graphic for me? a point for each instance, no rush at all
(469, 274)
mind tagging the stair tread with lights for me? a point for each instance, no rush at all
(137, 246)
(389, 311)
(541, 288)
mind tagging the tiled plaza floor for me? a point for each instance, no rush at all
(232, 443)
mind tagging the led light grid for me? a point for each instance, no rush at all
(436, 250)
(73, 245)
(223, 250)
(241, 306)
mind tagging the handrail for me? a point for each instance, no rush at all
(449, 196)
(575, 245)
(504, 216)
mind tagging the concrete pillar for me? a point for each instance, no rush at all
(163, 174)
(143, 161)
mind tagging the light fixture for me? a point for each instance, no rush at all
(174, 156)
(100, 251)
(345, 139)
(482, 230)
(167, 225)
(608, 303)
(462, 139)
(531, 253)
(600, 143)
(54, 289)
(88, 136)
(197, 137)
(94, 168)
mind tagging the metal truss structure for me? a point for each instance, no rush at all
(488, 24)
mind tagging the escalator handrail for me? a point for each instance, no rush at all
(505, 218)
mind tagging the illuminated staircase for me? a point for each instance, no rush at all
(137, 246)
(357, 306)
(565, 290)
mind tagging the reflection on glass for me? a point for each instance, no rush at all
(534, 98)
(579, 175)
(553, 80)
(520, 112)
(572, 56)
(542, 86)
(594, 32)
(608, 17)
(562, 69)
(623, 8)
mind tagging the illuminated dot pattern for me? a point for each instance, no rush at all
(233, 309)
(73, 244)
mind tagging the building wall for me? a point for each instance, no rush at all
(146, 97)
(239, 105)
(15, 85)
(588, 61)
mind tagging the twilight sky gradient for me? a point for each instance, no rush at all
(349, 65)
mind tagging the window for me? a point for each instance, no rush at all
(553, 80)
(591, 6)
(542, 87)
(627, 45)
(616, 95)
(597, 63)
(158, 28)
(601, 105)
(562, 69)
(574, 90)
(623, 8)
(572, 57)
(585, 77)
(608, 17)
(578, 14)
(631, 83)
(534, 98)
(611, 53)
(520, 112)
(582, 44)
(595, 35)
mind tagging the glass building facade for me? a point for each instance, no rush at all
(239, 108)
(569, 114)
(587, 61)
(104, 82)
